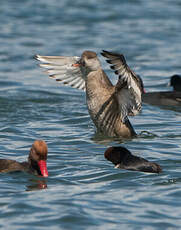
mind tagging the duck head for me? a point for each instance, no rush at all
(175, 82)
(116, 154)
(88, 62)
(38, 157)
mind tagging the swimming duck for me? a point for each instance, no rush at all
(109, 106)
(36, 163)
(164, 98)
(122, 158)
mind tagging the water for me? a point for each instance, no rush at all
(83, 190)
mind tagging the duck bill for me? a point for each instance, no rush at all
(77, 64)
(117, 166)
(43, 168)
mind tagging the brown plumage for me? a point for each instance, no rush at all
(122, 158)
(109, 106)
(36, 163)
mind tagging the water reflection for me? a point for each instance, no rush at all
(100, 138)
(146, 134)
(36, 184)
(176, 108)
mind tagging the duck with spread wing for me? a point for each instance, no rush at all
(109, 105)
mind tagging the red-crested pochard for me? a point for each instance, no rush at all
(36, 163)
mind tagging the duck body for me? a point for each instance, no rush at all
(103, 107)
(165, 98)
(8, 166)
(122, 158)
(36, 163)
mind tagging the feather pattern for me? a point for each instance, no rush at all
(62, 69)
(127, 89)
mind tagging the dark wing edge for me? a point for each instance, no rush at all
(128, 89)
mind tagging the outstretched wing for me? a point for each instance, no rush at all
(128, 88)
(64, 70)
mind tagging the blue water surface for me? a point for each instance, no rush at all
(83, 190)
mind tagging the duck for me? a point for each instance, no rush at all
(109, 105)
(36, 163)
(122, 158)
(164, 98)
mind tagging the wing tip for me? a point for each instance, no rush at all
(37, 57)
(109, 61)
(111, 56)
(104, 53)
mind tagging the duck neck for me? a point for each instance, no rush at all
(33, 167)
(98, 83)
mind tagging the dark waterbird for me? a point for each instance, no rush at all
(122, 158)
(164, 98)
(109, 106)
(36, 163)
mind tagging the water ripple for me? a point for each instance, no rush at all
(83, 190)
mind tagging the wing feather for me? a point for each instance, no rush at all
(62, 70)
(128, 89)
